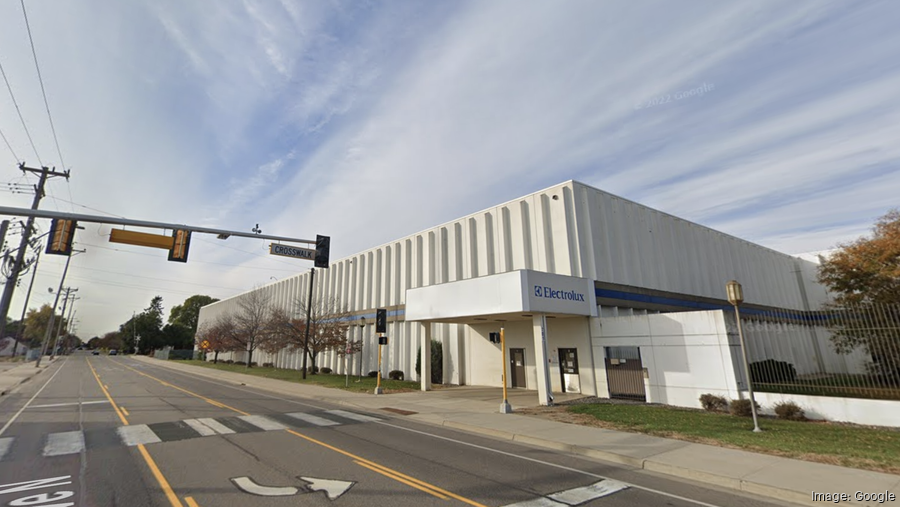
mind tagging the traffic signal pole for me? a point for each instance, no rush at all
(10, 285)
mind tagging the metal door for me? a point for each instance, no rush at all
(517, 367)
(625, 373)
(568, 370)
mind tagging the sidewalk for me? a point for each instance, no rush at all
(763, 475)
(10, 378)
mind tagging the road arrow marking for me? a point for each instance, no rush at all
(332, 488)
(247, 485)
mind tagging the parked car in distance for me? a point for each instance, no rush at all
(95, 353)
(113, 352)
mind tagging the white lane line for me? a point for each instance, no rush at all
(313, 419)
(218, 427)
(578, 496)
(351, 415)
(70, 404)
(263, 422)
(5, 444)
(200, 428)
(59, 444)
(9, 423)
(137, 435)
(547, 463)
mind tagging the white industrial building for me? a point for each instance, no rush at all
(590, 289)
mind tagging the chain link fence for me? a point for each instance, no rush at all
(851, 352)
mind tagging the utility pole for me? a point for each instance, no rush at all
(62, 280)
(21, 331)
(10, 286)
(62, 319)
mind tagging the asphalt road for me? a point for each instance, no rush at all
(112, 431)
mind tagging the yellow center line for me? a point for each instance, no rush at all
(190, 501)
(124, 411)
(393, 474)
(211, 402)
(398, 479)
(160, 478)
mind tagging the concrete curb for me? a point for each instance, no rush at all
(649, 464)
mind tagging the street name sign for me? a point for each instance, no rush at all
(292, 251)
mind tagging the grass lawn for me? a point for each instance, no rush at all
(837, 444)
(366, 385)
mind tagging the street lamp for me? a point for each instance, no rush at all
(736, 297)
(362, 326)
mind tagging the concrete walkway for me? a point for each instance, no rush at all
(476, 410)
(14, 374)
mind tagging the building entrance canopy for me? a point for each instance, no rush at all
(516, 295)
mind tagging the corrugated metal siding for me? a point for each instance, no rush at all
(583, 231)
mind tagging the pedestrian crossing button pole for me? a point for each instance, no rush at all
(381, 329)
(505, 407)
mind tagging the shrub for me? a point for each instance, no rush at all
(325, 370)
(228, 361)
(742, 408)
(395, 375)
(312, 369)
(437, 362)
(373, 374)
(772, 371)
(268, 365)
(790, 411)
(252, 363)
(713, 403)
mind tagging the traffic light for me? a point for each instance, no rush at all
(323, 245)
(381, 320)
(62, 232)
(179, 250)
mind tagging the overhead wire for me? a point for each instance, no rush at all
(11, 150)
(41, 80)
(21, 118)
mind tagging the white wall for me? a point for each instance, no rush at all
(852, 410)
(686, 354)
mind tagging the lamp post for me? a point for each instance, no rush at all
(505, 408)
(362, 327)
(736, 297)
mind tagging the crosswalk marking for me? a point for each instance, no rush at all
(216, 426)
(5, 444)
(199, 427)
(351, 415)
(137, 435)
(59, 444)
(73, 442)
(537, 502)
(578, 496)
(313, 419)
(263, 422)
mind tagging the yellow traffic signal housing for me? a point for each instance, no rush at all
(62, 232)
(179, 251)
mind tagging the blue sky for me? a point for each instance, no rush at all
(369, 121)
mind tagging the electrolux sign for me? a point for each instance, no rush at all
(549, 292)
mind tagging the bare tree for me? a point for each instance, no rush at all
(216, 336)
(328, 324)
(251, 325)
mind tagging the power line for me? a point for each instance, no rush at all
(87, 207)
(43, 92)
(11, 150)
(22, 119)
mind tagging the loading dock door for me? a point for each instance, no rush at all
(517, 367)
(625, 373)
